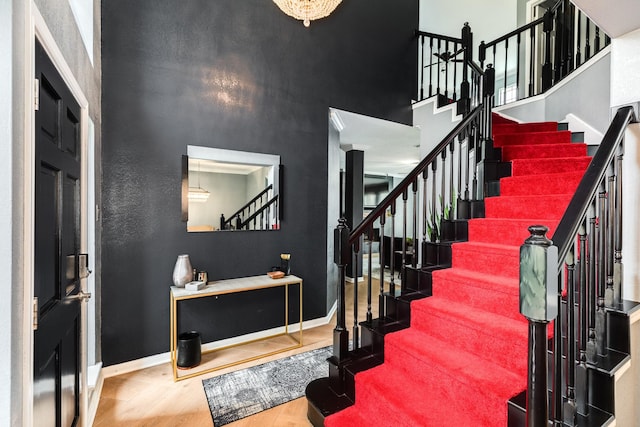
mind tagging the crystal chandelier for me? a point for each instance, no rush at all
(307, 10)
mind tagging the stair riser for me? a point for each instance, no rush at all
(543, 152)
(462, 391)
(549, 166)
(542, 207)
(499, 129)
(455, 231)
(417, 279)
(436, 254)
(557, 137)
(475, 339)
(531, 185)
(398, 309)
(393, 413)
(490, 260)
(480, 295)
(508, 233)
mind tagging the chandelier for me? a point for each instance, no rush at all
(307, 10)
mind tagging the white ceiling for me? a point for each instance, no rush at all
(389, 148)
(616, 17)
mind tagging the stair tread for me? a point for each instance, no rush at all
(471, 317)
(465, 365)
(492, 281)
(363, 364)
(411, 408)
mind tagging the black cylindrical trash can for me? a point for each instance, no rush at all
(189, 353)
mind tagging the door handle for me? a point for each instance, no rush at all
(80, 296)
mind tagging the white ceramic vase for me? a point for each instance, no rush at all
(182, 272)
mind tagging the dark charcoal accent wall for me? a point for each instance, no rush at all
(238, 75)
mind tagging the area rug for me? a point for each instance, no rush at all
(246, 392)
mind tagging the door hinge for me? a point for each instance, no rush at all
(36, 95)
(35, 313)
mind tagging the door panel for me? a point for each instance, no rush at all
(57, 244)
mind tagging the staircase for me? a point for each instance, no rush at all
(466, 348)
(451, 344)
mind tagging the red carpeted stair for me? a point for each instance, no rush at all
(465, 354)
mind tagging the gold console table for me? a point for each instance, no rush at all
(230, 286)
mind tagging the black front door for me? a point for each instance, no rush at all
(57, 243)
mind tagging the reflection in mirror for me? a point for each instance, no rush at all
(231, 190)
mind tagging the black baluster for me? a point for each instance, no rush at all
(610, 227)
(506, 66)
(414, 189)
(460, 142)
(547, 70)
(405, 197)
(369, 273)
(438, 70)
(446, 72)
(425, 213)
(571, 36)
(596, 40)
(583, 315)
(558, 351)
(602, 274)
(532, 40)
(382, 249)
(430, 66)
(557, 60)
(618, 266)
(587, 48)
(518, 43)
(451, 174)
(579, 42)
(423, 67)
(354, 269)
(433, 198)
(592, 345)
(392, 284)
(455, 73)
(569, 410)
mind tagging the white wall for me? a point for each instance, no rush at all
(489, 19)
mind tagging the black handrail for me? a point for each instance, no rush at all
(568, 227)
(248, 204)
(258, 211)
(404, 185)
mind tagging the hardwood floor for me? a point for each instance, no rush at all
(150, 397)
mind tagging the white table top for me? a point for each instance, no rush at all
(241, 284)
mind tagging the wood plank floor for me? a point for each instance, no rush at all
(150, 397)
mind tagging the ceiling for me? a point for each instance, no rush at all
(389, 148)
(615, 18)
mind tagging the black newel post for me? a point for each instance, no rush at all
(547, 68)
(464, 103)
(539, 304)
(340, 334)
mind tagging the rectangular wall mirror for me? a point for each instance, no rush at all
(229, 190)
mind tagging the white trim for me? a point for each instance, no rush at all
(95, 381)
(28, 214)
(159, 359)
(455, 117)
(38, 29)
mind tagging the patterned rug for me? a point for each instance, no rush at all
(246, 392)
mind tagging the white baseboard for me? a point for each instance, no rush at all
(158, 359)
